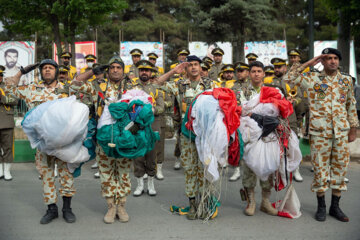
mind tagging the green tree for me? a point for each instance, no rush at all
(237, 21)
(66, 18)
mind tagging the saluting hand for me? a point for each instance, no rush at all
(100, 69)
(180, 67)
(29, 68)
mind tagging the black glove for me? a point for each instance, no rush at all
(29, 68)
(100, 69)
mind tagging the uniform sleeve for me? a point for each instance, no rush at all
(351, 107)
(8, 99)
(19, 92)
(87, 88)
(159, 107)
(295, 76)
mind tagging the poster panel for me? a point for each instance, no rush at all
(81, 50)
(145, 47)
(202, 49)
(266, 50)
(13, 55)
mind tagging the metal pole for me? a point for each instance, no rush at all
(311, 29)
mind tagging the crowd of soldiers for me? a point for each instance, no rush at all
(324, 99)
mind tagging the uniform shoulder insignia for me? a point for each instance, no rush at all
(103, 86)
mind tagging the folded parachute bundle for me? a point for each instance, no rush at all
(58, 128)
(212, 121)
(270, 144)
(124, 128)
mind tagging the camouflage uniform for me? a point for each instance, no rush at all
(114, 172)
(34, 95)
(131, 71)
(147, 164)
(249, 177)
(214, 71)
(194, 172)
(332, 114)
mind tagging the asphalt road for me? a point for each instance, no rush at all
(21, 208)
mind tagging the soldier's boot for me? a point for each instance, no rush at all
(95, 165)
(68, 215)
(121, 211)
(51, 214)
(335, 210)
(7, 174)
(139, 188)
(151, 187)
(266, 206)
(145, 176)
(159, 174)
(97, 174)
(297, 175)
(320, 214)
(192, 214)
(250, 209)
(1, 170)
(177, 163)
(111, 213)
(236, 175)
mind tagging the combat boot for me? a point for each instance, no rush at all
(177, 164)
(297, 175)
(121, 212)
(1, 170)
(266, 206)
(7, 174)
(159, 174)
(236, 175)
(250, 209)
(335, 210)
(111, 213)
(192, 214)
(151, 187)
(320, 214)
(140, 187)
(51, 214)
(68, 215)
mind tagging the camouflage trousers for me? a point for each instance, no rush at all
(114, 175)
(330, 157)
(193, 168)
(249, 179)
(66, 179)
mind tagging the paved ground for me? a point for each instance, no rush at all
(21, 208)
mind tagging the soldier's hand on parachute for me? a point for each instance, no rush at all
(29, 68)
(100, 69)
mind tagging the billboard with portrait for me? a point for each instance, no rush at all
(266, 50)
(13, 55)
(145, 47)
(202, 49)
(81, 50)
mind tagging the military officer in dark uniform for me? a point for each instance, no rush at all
(251, 57)
(218, 54)
(7, 103)
(131, 70)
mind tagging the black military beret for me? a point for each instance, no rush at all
(192, 58)
(332, 51)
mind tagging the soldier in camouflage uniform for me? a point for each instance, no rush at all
(215, 70)
(187, 89)
(34, 94)
(7, 103)
(249, 179)
(147, 164)
(205, 69)
(114, 172)
(333, 123)
(131, 70)
(293, 94)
